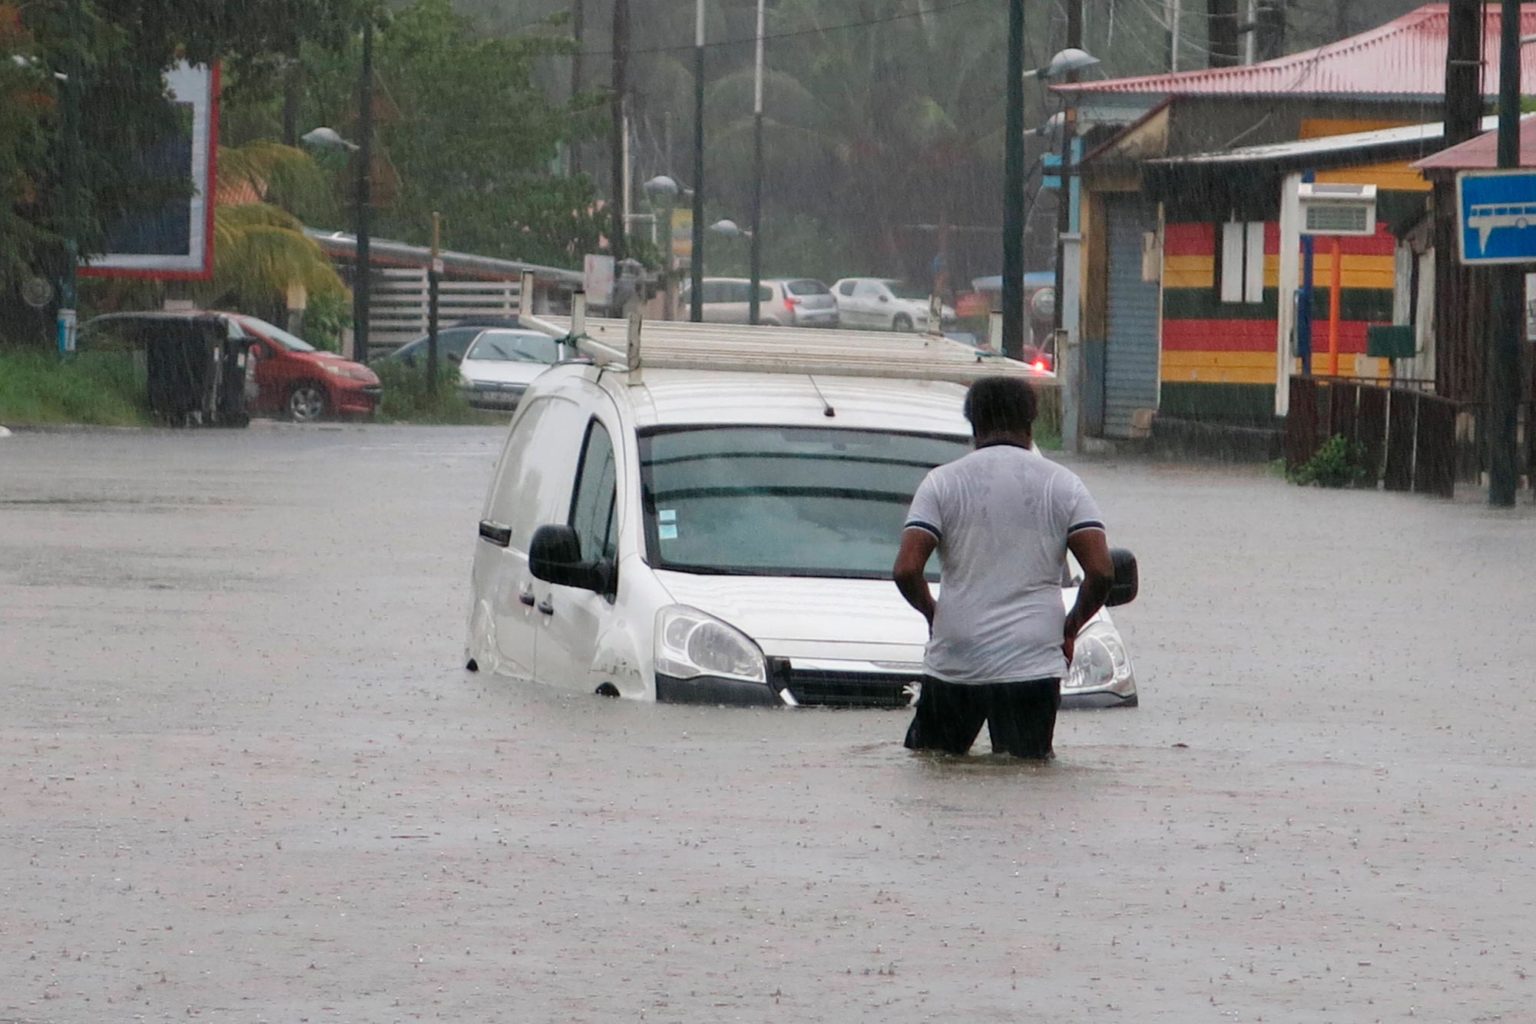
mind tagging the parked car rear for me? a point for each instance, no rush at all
(782, 302)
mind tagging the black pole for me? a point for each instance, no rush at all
(1503, 374)
(1064, 193)
(1013, 188)
(616, 134)
(432, 277)
(578, 37)
(696, 261)
(72, 168)
(363, 270)
(754, 303)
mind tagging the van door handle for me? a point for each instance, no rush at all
(496, 533)
(526, 597)
(546, 607)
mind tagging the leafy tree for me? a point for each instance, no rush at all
(110, 55)
(464, 129)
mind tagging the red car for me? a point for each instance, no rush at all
(295, 379)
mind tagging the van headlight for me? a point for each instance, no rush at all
(1099, 659)
(690, 643)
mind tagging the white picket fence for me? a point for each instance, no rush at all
(397, 310)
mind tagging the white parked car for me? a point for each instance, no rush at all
(721, 537)
(782, 302)
(884, 304)
(500, 363)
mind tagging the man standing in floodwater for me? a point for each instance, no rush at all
(1002, 519)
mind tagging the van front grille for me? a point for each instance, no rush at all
(837, 689)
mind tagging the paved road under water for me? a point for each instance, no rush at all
(243, 777)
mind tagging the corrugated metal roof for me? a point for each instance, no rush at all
(1362, 144)
(1403, 59)
(1481, 153)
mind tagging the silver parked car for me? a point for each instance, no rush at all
(782, 302)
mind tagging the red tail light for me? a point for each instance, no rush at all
(790, 302)
(1038, 364)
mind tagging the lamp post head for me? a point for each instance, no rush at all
(326, 138)
(662, 187)
(1064, 63)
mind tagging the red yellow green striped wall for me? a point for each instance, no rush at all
(1205, 340)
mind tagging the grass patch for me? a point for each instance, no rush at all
(408, 399)
(95, 388)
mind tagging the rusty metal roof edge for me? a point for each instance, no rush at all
(1323, 146)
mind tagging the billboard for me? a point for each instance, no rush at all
(174, 241)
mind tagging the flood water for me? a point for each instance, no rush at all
(244, 778)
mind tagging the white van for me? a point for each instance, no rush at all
(721, 536)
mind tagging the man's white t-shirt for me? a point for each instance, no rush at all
(1001, 515)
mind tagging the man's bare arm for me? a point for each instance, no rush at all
(1091, 548)
(916, 547)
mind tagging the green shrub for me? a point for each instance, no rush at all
(1338, 462)
(407, 397)
(96, 388)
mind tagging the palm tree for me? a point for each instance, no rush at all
(260, 250)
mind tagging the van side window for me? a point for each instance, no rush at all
(596, 493)
(533, 481)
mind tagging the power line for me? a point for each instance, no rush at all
(746, 40)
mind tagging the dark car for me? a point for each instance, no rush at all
(451, 341)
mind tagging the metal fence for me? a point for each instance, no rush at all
(1408, 437)
(398, 308)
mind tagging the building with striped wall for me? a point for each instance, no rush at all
(1188, 299)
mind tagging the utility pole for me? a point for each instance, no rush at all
(1221, 32)
(616, 134)
(1173, 13)
(1013, 188)
(1066, 170)
(754, 302)
(1269, 29)
(696, 261)
(578, 37)
(363, 270)
(434, 270)
(73, 186)
(1503, 366)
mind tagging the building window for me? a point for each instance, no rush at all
(1241, 270)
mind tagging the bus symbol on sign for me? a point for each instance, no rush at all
(1497, 216)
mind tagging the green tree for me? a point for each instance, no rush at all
(464, 129)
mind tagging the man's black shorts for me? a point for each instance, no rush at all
(1020, 717)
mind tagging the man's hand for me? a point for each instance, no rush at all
(1091, 548)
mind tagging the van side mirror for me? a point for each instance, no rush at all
(554, 556)
(1127, 580)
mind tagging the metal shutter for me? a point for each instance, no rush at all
(1130, 354)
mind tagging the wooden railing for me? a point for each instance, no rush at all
(1408, 435)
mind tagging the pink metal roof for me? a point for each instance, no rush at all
(1481, 153)
(1403, 58)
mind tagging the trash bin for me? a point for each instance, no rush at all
(195, 372)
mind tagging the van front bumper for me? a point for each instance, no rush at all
(714, 690)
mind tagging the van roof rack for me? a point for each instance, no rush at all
(826, 352)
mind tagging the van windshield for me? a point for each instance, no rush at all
(782, 501)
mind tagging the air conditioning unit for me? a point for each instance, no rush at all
(1332, 209)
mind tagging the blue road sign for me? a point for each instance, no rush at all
(1497, 216)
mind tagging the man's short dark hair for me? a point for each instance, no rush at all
(1001, 405)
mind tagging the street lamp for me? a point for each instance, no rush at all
(1066, 62)
(728, 229)
(665, 190)
(325, 137)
